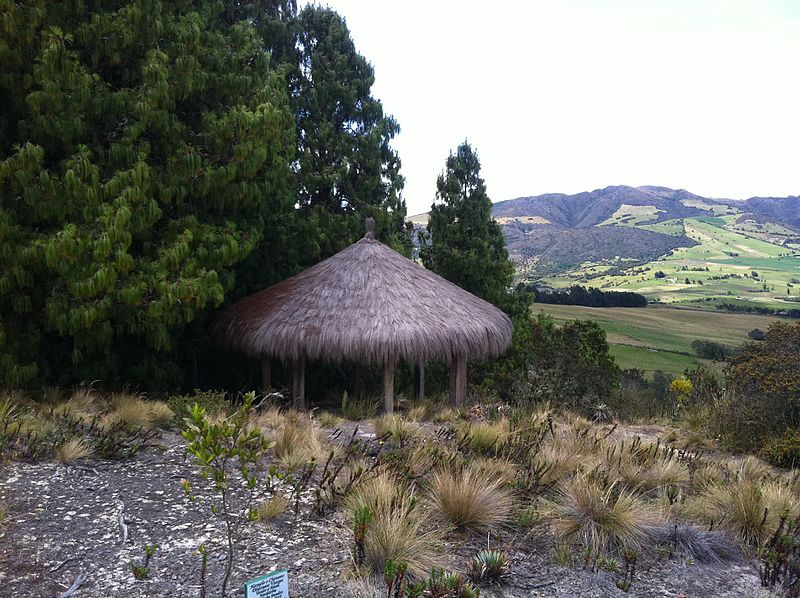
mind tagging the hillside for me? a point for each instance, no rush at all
(620, 236)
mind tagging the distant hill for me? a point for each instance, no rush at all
(619, 233)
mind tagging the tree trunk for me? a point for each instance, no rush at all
(388, 387)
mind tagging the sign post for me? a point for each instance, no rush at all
(272, 585)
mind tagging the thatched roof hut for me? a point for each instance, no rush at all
(367, 303)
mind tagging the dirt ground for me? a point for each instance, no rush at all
(63, 523)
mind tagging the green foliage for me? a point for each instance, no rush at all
(213, 401)
(783, 451)
(158, 159)
(142, 161)
(762, 397)
(143, 571)
(466, 244)
(711, 350)
(568, 364)
(227, 449)
(489, 565)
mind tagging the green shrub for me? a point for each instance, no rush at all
(783, 451)
(213, 401)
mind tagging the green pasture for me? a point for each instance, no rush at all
(719, 268)
(660, 337)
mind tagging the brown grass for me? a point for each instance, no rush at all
(601, 516)
(272, 507)
(72, 449)
(400, 529)
(297, 443)
(471, 499)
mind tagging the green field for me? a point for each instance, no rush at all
(731, 262)
(660, 337)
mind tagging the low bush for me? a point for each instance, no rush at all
(783, 451)
(213, 401)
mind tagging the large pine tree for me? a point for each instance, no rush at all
(144, 154)
(466, 244)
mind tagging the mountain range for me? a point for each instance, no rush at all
(555, 232)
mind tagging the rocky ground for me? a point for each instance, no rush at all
(64, 524)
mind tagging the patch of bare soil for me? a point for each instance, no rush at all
(64, 522)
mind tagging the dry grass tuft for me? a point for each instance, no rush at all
(272, 507)
(136, 412)
(738, 506)
(297, 443)
(601, 516)
(487, 437)
(661, 473)
(395, 426)
(399, 528)
(270, 418)
(71, 450)
(471, 499)
(327, 419)
(753, 469)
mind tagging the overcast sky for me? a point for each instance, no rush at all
(573, 95)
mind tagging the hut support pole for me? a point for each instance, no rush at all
(299, 384)
(388, 387)
(460, 391)
(358, 381)
(419, 385)
(266, 375)
(452, 382)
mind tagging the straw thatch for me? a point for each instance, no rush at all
(367, 303)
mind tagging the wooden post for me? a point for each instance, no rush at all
(299, 384)
(460, 393)
(358, 381)
(388, 387)
(452, 387)
(419, 381)
(266, 375)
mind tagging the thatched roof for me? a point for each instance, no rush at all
(367, 303)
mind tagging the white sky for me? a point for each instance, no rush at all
(574, 95)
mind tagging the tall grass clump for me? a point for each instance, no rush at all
(395, 427)
(601, 516)
(72, 449)
(471, 499)
(397, 526)
(297, 443)
(486, 437)
(738, 506)
(135, 411)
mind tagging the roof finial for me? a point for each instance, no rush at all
(370, 228)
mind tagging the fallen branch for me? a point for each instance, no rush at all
(57, 567)
(75, 585)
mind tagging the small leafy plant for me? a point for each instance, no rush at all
(143, 571)
(361, 520)
(228, 452)
(489, 565)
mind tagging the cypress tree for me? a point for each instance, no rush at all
(466, 243)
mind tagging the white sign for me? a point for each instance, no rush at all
(272, 585)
